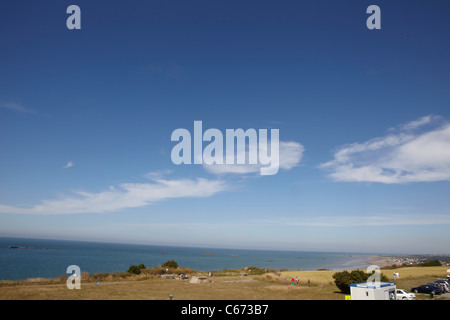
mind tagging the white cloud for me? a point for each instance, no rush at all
(290, 155)
(127, 195)
(397, 158)
(419, 122)
(68, 165)
(156, 175)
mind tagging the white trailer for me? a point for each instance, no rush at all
(380, 291)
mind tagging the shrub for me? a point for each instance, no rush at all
(431, 263)
(170, 264)
(344, 279)
(136, 269)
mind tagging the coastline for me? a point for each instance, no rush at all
(380, 261)
(38, 258)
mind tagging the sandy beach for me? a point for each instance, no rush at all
(381, 261)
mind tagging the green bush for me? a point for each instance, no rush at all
(344, 279)
(170, 264)
(136, 269)
(431, 263)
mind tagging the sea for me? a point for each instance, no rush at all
(23, 258)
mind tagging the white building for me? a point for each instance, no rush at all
(381, 291)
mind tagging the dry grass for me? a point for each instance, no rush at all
(228, 286)
(325, 276)
(321, 277)
(414, 272)
(156, 288)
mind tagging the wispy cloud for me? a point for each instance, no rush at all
(68, 165)
(126, 195)
(419, 122)
(156, 175)
(413, 154)
(290, 155)
(364, 221)
(333, 221)
(15, 107)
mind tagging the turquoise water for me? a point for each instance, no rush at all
(50, 258)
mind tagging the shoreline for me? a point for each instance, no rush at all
(381, 261)
(378, 260)
(121, 256)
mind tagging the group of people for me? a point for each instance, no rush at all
(293, 281)
(396, 275)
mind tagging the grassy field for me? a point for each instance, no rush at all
(411, 273)
(224, 286)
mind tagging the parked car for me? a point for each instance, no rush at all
(445, 282)
(404, 295)
(441, 285)
(427, 288)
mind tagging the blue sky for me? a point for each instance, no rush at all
(86, 118)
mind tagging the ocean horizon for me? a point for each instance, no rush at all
(24, 258)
